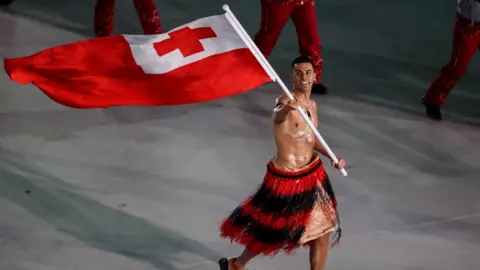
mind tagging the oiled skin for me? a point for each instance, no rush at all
(294, 139)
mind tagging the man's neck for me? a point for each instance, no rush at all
(302, 96)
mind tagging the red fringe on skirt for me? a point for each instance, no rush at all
(275, 217)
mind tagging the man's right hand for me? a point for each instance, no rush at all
(283, 108)
(291, 105)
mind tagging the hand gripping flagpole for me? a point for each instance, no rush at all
(274, 76)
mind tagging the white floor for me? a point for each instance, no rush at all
(145, 187)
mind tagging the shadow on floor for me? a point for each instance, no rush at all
(91, 222)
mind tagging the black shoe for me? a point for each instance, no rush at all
(433, 112)
(223, 264)
(319, 89)
(6, 2)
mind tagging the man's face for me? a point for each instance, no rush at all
(303, 76)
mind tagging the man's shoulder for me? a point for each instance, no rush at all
(282, 99)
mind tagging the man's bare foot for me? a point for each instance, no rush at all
(229, 264)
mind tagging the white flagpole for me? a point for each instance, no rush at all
(274, 76)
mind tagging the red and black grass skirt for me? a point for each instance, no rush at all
(276, 216)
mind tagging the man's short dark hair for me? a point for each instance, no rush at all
(302, 59)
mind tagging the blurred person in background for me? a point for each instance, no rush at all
(146, 9)
(466, 41)
(274, 16)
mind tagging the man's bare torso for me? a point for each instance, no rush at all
(294, 139)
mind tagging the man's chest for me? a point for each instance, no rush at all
(298, 122)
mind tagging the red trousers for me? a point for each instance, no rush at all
(466, 41)
(146, 10)
(274, 18)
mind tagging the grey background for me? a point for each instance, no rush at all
(146, 187)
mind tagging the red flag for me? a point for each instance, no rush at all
(197, 62)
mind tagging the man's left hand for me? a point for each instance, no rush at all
(340, 165)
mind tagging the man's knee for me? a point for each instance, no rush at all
(274, 18)
(268, 33)
(453, 71)
(322, 241)
(266, 40)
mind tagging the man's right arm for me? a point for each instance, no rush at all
(281, 110)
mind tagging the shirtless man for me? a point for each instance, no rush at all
(295, 205)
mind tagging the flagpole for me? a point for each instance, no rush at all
(274, 76)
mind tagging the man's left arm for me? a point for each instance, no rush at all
(319, 148)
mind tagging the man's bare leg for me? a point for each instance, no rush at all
(318, 252)
(239, 262)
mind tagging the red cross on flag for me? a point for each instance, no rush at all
(203, 60)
